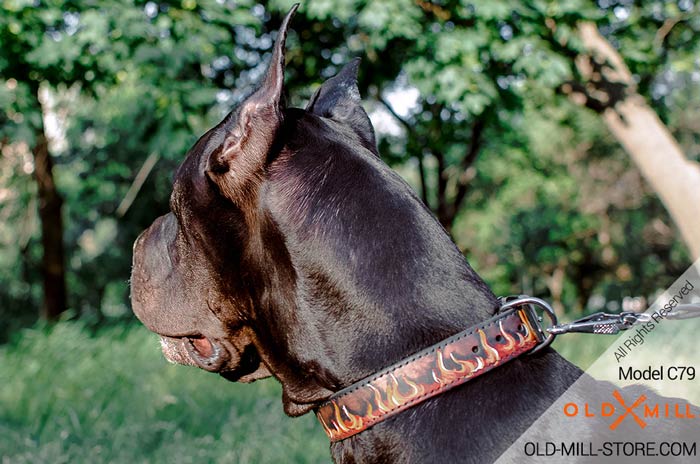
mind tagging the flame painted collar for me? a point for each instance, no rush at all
(515, 330)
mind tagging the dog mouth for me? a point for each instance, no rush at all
(215, 356)
(198, 351)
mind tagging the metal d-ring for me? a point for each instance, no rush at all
(515, 301)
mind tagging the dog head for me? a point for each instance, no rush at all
(290, 247)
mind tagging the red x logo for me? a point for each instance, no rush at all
(628, 411)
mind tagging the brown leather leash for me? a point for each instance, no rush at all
(515, 330)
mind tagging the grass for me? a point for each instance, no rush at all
(69, 397)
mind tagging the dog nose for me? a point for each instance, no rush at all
(154, 253)
(160, 228)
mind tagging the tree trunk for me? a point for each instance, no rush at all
(50, 205)
(643, 135)
(661, 161)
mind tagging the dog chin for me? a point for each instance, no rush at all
(248, 369)
(174, 352)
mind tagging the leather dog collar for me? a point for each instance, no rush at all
(432, 371)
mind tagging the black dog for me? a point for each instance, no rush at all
(291, 250)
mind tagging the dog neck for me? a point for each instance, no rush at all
(368, 285)
(357, 287)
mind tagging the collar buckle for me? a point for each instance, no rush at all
(532, 305)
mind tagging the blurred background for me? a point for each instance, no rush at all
(558, 142)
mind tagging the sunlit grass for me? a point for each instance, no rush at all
(67, 396)
(582, 349)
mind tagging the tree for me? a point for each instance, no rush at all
(487, 73)
(17, 70)
(610, 90)
(529, 182)
(89, 51)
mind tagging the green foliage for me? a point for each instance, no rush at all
(69, 396)
(533, 209)
(126, 80)
(547, 189)
(567, 200)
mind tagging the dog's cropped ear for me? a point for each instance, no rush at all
(250, 132)
(339, 99)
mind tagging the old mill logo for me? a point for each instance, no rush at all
(639, 411)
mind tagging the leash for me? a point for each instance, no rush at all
(598, 323)
(515, 330)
